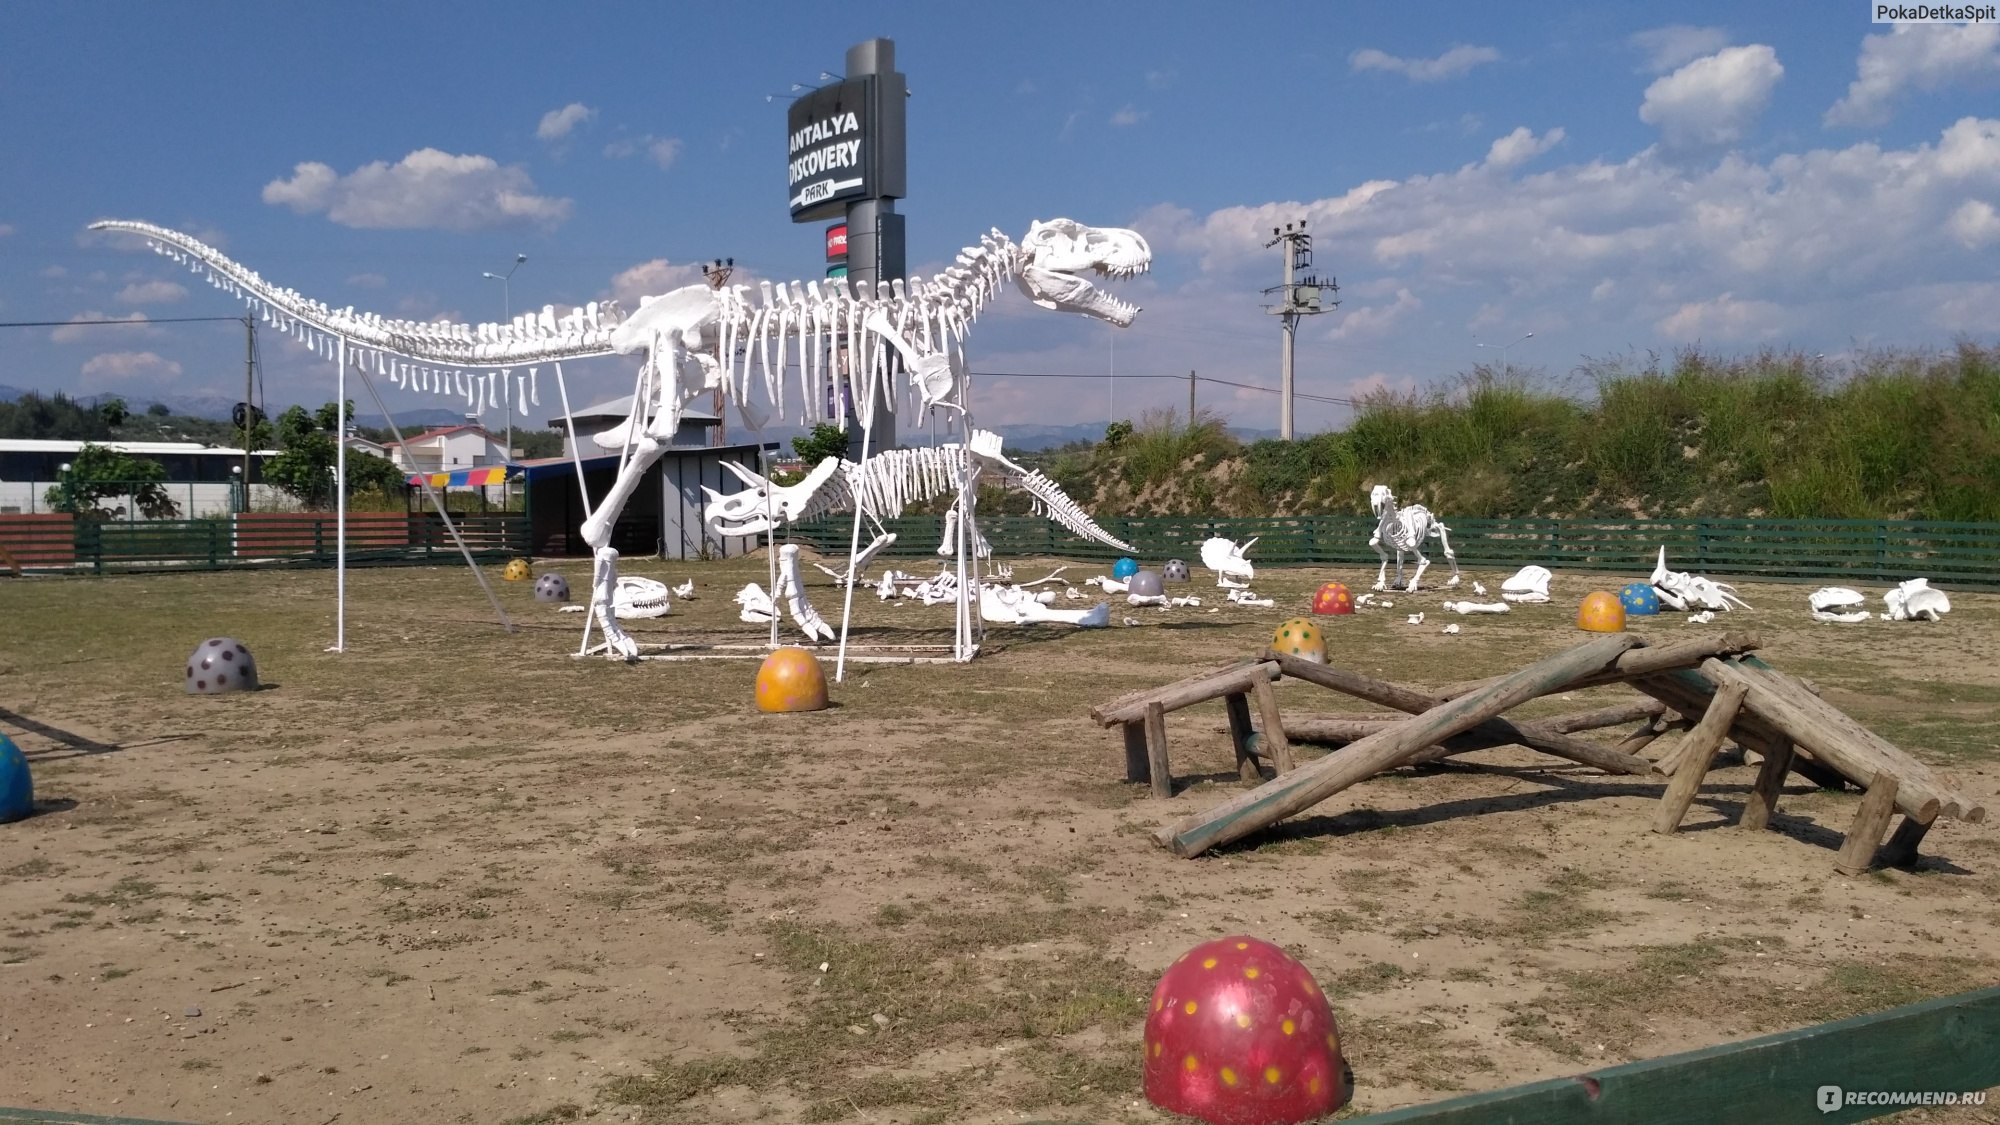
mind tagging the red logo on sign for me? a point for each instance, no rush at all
(836, 241)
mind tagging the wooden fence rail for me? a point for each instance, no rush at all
(1831, 551)
(58, 545)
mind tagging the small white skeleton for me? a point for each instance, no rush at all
(1405, 530)
(1477, 607)
(685, 591)
(1837, 603)
(1243, 595)
(1529, 585)
(1109, 585)
(1011, 605)
(633, 598)
(1680, 590)
(1449, 630)
(1702, 618)
(1479, 589)
(1915, 601)
(1232, 570)
(1416, 619)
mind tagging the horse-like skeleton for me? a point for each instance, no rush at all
(1406, 529)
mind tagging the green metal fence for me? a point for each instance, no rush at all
(1961, 554)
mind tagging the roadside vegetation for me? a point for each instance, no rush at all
(1895, 435)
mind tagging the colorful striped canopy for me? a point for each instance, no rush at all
(462, 478)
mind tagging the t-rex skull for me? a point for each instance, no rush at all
(1059, 251)
(763, 505)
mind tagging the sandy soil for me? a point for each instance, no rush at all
(454, 874)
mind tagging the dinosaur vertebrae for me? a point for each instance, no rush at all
(893, 479)
(383, 342)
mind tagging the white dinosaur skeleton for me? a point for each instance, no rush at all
(1915, 601)
(1406, 529)
(1679, 589)
(635, 598)
(1529, 585)
(1837, 603)
(698, 339)
(1011, 605)
(888, 482)
(1232, 570)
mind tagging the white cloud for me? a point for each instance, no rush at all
(1923, 57)
(1521, 146)
(663, 151)
(368, 281)
(1723, 318)
(557, 123)
(151, 293)
(1161, 79)
(1451, 64)
(1129, 115)
(119, 366)
(1667, 48)
(1713, 100)
(80, 327)
(427, 189)
(652, 278)
(1817, 238)
(1975, 224)
(1375, 320)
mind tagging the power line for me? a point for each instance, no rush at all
(1199, 378)
(115, 323)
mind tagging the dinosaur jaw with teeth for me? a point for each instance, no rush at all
(1059, 252)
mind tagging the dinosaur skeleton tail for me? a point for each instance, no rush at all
(1057, 505)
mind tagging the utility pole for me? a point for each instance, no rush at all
(249, 398)
(1300, 295)
(1190, 401)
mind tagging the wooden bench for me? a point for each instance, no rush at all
(1143, 716)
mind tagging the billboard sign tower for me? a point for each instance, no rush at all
(847, 161)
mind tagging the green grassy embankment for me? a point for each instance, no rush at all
(1896, 435)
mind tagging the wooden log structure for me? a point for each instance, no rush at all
(1546, 736)
(1313, 782)
(1842, 744)
(1857, 851)
(1689, 693)
(1639, 662)
(1496, 731)
(1143, 717)
(1697, 751)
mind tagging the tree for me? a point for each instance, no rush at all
(159, 410)
(1116, 433)
(826, 440)
(539, 443)
(305, 464)
(99, 471)
(59, 417)
(114, 411)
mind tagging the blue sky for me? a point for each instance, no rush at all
(1614, 177)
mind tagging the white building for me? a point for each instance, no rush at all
(445, 449)
(201, 479)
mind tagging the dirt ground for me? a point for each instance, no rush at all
(454, 874)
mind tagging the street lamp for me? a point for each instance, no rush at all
(507, 308)
(1503, 350)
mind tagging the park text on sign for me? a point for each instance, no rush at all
(830, 152)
